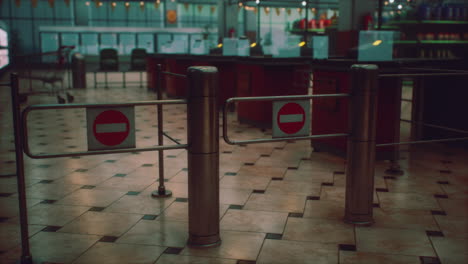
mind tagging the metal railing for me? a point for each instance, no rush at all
(162, 191)
(202, 148)
(273, 99)
(431, 73)
(31, 108)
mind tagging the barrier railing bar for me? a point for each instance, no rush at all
(275, 98)
(406, 100)
(385, 75)
(171, 138)
(435, 126)
(422, 141)
(71, 106)
(175, 74)
(30, 108)
(98, 152)
(281, 98)
(254, 141)
(5, 84)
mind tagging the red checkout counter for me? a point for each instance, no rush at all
(258, 76)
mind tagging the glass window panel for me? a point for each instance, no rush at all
(108, 40)
(89, 44)
(127, 43)
(146, 41)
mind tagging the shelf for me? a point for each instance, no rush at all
(415, 22)
(301, 31)
(432, 42)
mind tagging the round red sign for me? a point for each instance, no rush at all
(111, 127)
(291, 118)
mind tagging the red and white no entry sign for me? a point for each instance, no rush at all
(291, 118)
(110, 128)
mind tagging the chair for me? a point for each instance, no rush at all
(138, 60)
(108, 60)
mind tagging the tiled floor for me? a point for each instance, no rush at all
(280, 202)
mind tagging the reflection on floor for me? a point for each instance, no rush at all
(280, 203)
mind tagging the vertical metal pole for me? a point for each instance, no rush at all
(361, 145)
(203, 157)
(26, 257)
(161, 192)
(395, 168)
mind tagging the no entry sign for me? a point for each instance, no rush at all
(291, 118)
(110, 128)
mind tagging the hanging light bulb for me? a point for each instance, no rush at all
(257, 2)
(304, 3)
(400, 6)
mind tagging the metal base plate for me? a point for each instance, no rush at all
(165, 194)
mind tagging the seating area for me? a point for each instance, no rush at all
(110, 61)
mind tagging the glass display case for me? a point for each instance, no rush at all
(275, 25)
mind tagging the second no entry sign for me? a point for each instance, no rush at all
(291, 118)
(110, 128)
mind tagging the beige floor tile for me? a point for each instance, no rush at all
(234, 196)
(294, 187)
(350, 257)
(318, 230)
(451, 250)
(180, 177)
(101, 223)
(282, 251)
(408, 201)
(414, 186)
(453, 227)
(454, 207)
(50, 191)
(324, 209)
(157, 233)
(404, 218)
(10, 234)
(245, 182)
(457, 191)
(263, 171)
(276, 203)
(178, 211)
(309, 176)
(91, 197)
(53, 214)
(390, 241)
(10, 206)
(234, 245)
(60, 247)
(120, 253)
(254, 221)
(178, 259)
(126, 184)
(140, 204)
(83, 178)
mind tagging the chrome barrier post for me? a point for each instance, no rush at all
(161, 192)
(361, 145)
(26, 257)
(203, 157)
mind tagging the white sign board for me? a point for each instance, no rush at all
(320, 47)
(110, 128)
(229, 47)
(291, 118)
(375, 45)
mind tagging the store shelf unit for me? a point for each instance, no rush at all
(431, 38)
